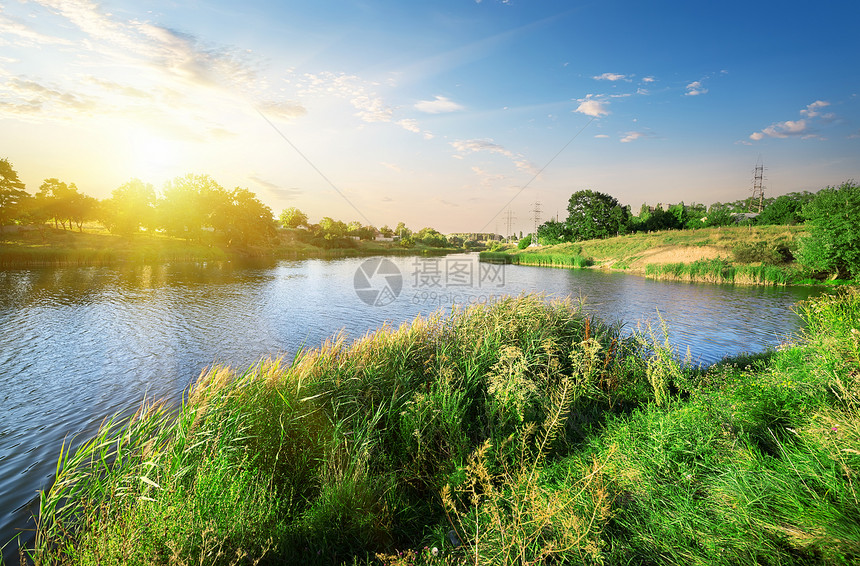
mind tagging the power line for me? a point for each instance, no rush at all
(507, 204)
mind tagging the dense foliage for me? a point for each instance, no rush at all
(12, 192)
(593, 215)
(833, 244)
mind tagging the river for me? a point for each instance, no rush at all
(78, 344)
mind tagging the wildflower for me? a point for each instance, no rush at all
(434, 551)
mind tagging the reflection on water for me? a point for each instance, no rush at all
(78, 344)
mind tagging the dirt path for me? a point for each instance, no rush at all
(678, 254)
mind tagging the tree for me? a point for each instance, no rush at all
(12, 193)
(386, 231)
(129, 207)
(293, 218)
(57, 200)
(593, 215)
(552, 232)
(431, 237)
(719, 215)
(833, 243)
(82, 208)
(786, 209)
(333, 231)
(402, 231)
(192, 203)
(245, 220)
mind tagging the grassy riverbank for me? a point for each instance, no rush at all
(96, 246)
(756, 255)
(522, 432)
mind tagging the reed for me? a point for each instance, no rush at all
(722, 271)
(523, 432)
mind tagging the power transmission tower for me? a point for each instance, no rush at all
(536, 217)
(758, 189)
(509, 220)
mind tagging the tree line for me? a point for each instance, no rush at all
(187, 207)
(832, 216)
(330, 233)
(190, 207)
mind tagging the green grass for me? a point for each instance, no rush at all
(524, 431)
(757, 255)
(537, 258)
(723, 271)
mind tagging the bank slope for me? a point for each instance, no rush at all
(522, 432)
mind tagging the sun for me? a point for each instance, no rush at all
(153, 156)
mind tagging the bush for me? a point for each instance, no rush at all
(761, 252)
(833, 244)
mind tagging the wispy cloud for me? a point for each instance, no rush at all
(439, 105)
(24, 97)
(489, 146)
(632, 136)
(275, 190)
(26, 35)
(796, 128)
(611, 77)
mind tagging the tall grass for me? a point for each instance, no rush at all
(537, 258)
(721, 271)
(520, 433)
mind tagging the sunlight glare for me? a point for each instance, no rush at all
(155, 157)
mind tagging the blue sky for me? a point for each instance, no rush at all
(436, 113)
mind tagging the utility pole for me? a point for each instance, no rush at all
(758, 189)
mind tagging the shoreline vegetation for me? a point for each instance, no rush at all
(743, 255)
(94, 246)
(519, 432)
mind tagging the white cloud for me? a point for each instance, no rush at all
(610, 77)
(789, 128)
(648, 80)
(439, 105)
(802, 128)
(632, 136)
(695, 88)
(409, 125)
(591, 106)
(601, 136)
(390, 166)
(812, 110)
